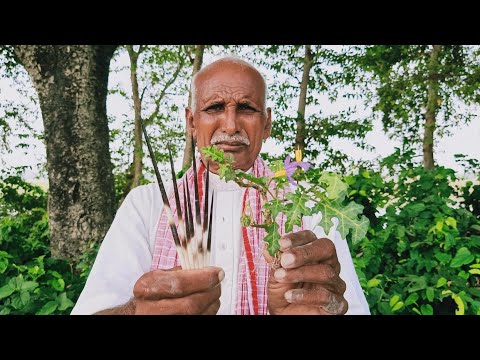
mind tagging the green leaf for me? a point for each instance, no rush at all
(275, 207)
(373, 282)
(336, 188)
(3, 265)
(475, 266)
(462, 257)
(4, 254)
(394, 300)
(19, 281)
(443, 257)
(5, 311)
(450, 221)
(416, 311)
(430, 294)
(64, 302)
(397, 306)
(48, 308)
(296, 210)
(476, 227)
(272, 238)
(426, 309)
(474, 271)
(29, 285)
(226, 172)
(348, 219)
(461, 306)
(56, 274)
(6, 291)
(262, 181)
(16, 301)
(441, 282)
(416, 208)
(24, 297)
(412, 298)
(449, 241)
(58, 284)
(416, 283)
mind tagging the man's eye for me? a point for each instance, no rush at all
(245, 107)
(215, 107)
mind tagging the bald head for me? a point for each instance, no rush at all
(228, 110)
(230, 63)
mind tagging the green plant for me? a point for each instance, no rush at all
(422, 254)
(31, 281)
(313, 191)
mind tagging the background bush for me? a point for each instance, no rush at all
(31, 282)
(422, 253)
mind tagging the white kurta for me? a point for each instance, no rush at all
(126, 252)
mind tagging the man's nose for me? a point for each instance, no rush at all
(230, 122)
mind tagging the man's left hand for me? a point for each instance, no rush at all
(308, 281)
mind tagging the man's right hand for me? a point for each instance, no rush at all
(175, 292)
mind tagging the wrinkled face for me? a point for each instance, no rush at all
(230, 113)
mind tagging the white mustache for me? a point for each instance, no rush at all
(227, 138)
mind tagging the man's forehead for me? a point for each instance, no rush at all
(224, 91)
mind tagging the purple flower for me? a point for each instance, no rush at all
(290, 167)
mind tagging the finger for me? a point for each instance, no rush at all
(199, 303)
(314, 252)
(328, 301)
(194, 304)
(213, 308)
(295, 239)
(317, 274)
(160, 284)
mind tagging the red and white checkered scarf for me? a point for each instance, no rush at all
(253, 269)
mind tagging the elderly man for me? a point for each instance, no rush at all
(136, 268)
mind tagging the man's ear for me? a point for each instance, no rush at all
(268, 125)
(189, 123)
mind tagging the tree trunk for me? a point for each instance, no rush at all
(136, 170)
(432, 107)
(71, 82)
(302, 102)
(197, 64)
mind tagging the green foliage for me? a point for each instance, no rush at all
(422, 254)
(286, 62)
(163, 74)
(396, 80)
(31, 282)
(319, 192)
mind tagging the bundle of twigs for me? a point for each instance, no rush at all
(192, 238)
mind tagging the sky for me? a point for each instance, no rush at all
(464, 140)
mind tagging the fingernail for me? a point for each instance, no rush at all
(221, 275)
(285, 243)
(280, 274)
(289, 296)
(287, 260)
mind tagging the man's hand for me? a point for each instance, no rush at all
(174, 291)
(308, 280)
